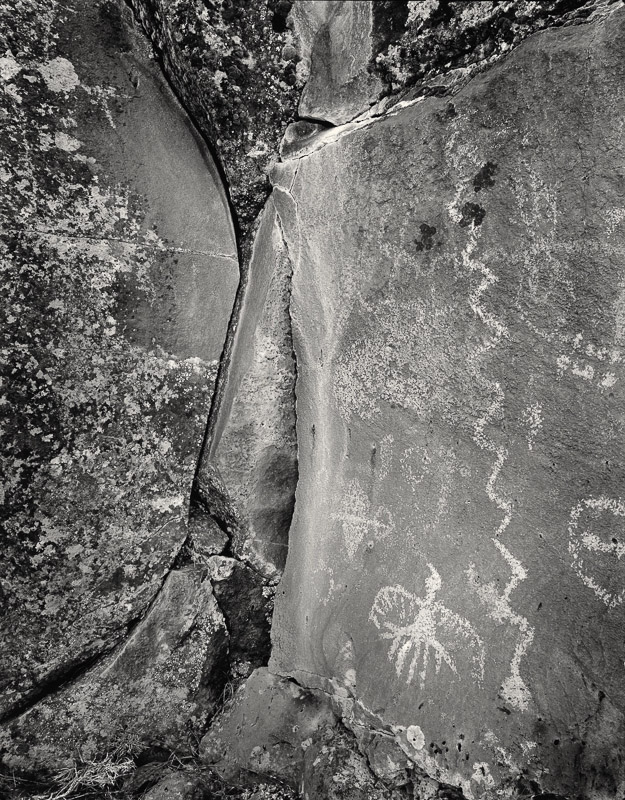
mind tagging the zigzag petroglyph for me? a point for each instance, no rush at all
(415, 626)
(513, 688)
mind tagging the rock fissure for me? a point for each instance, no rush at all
(426, 317)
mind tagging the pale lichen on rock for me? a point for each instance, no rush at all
(107, 404)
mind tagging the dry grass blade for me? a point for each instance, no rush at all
(75, 781)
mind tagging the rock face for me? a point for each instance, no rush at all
(425, 356)
(454, 567)
(275, 730)
(262, 732)
(235, 66)
(156, 690)
(339, 37)
(432, 46)
(119, 271)
(253, 445)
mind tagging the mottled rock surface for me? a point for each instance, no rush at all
(273, 729)
(234, 65)
(340, 40)
(454, 567)
(261, 732)
(119, 271)
(434, 46)
(156, 690)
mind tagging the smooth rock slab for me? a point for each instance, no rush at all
(454, 565)
(253, 443)
(119, 271)
(337, 41)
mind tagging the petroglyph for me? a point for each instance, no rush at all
(358, 519)
(581, 539)
(416, 626)
(408, 458)
(513, 688)
(386, 455)
(582, 363)
(533, 418)
(400, 364)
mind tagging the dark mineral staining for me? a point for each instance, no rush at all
(485, 178)
(426, 241)
(449, 113)
(472, 214)
(280, 13)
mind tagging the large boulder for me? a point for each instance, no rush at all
(337, 43)
(155, 691)
(454, 568)
(119, 271)
(236, 67)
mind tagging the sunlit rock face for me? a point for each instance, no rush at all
(119, 271)
(253, 443)
(454, 568)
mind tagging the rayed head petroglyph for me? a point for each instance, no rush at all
(581, 540)
(418, 626)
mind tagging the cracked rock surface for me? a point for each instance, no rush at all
(119, 272)
(423, 358)
(454, 558)
(235, 66)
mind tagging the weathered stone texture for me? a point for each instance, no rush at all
(234, 65)
(119, 271)
(157, 689)
(253, 444)
(434, 46)
(262, 730)
(454, 566)
(339, 38)
(275, 730)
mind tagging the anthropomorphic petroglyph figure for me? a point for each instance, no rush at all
(416, 627)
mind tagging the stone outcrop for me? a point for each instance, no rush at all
(454, 559)
(119, 271)
(434, 46)
(253, 443)
(338, 45)
(156, 691)
(273, 729)
(423, 358)
(235, 67)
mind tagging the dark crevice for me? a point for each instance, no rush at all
(316, 120)
(53, 684)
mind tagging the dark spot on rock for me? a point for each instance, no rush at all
(115, 34)
(281, 12)
(426, 241)
(472, 214)
(485, 178)
(450, 112)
